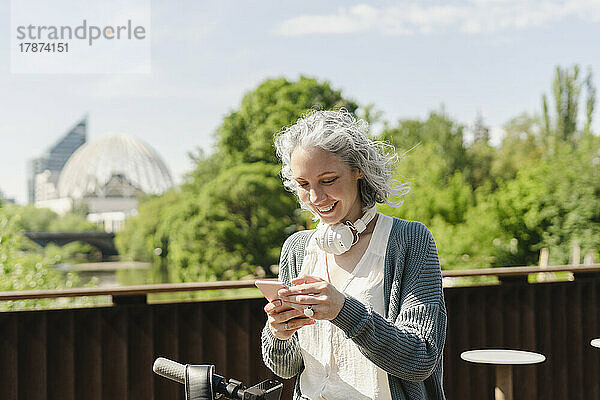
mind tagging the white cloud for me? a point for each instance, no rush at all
(473, 16)
(354, 20)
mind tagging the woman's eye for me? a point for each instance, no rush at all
(330, 180)
(304, 184)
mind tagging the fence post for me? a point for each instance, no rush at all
(589, 258)
(544, 257)
(575, 254)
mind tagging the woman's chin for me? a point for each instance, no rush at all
(330, 221)
(330, 218)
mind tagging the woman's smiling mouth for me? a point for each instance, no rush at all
(327, 210)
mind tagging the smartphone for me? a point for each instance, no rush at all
(270, 288)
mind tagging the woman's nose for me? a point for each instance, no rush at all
(315, 196)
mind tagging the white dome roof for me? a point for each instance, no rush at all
(95, 163)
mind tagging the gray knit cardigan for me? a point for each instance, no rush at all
(408, 341)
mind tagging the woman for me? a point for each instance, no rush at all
(364, 316)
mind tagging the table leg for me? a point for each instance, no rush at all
(504, 382)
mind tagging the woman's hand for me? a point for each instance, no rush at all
(310, 292)
(284, 320)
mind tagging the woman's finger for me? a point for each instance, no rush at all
(306, 279)
(304, 299)
(271, 306)
(296, 323)
(288, 315)
(277, 306)
(330, 301)
(295, 306)
(307, 288)
(284, 330)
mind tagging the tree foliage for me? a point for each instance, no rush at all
(522, 144)
(246, 134)
(444, 135)
(566, 88)
(232, 215)
(238, 226)
(480, 155)
(486, 205)
(553, 204)
(498, 206)
(24, 265)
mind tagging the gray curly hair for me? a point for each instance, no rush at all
(340, 133)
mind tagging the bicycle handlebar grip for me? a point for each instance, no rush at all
(169, 369)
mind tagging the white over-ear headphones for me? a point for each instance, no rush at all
(338, 239)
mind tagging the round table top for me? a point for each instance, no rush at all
(502, 356)
(595, 342)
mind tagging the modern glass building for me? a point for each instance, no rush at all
(42, 185)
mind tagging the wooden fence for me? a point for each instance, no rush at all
(107, 352)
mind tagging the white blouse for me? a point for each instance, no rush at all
(334, 367)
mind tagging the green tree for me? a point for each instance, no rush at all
(71, 223)
(432, 193)
(480, 155)
(573, 214)
(243, 222)
(232, 228)
(246, 134)
(25, 270)
(567, 87)
(590, 102)
(439, 131)
(370, 113)
(566, 90)
(438, 172)
(462, 221)
(551, 204)
(213, 229)
(521, 145)
(475, 243)
(31, 219)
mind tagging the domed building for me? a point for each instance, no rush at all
(105, 177)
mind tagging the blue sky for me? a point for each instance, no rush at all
(494, 57)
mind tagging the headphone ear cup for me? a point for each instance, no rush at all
(336, 239)
(344, 238)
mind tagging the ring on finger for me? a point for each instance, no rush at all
(286, 327)
(308, 311)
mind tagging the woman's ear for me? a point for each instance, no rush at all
(357, 174)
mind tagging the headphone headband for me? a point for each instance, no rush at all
(361, 224)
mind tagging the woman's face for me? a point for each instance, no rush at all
(326, 184)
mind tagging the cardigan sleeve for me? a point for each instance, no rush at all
(284, 357)
(410, 346)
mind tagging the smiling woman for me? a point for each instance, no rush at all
(340, 134)
(326, 184)
(364, 315)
